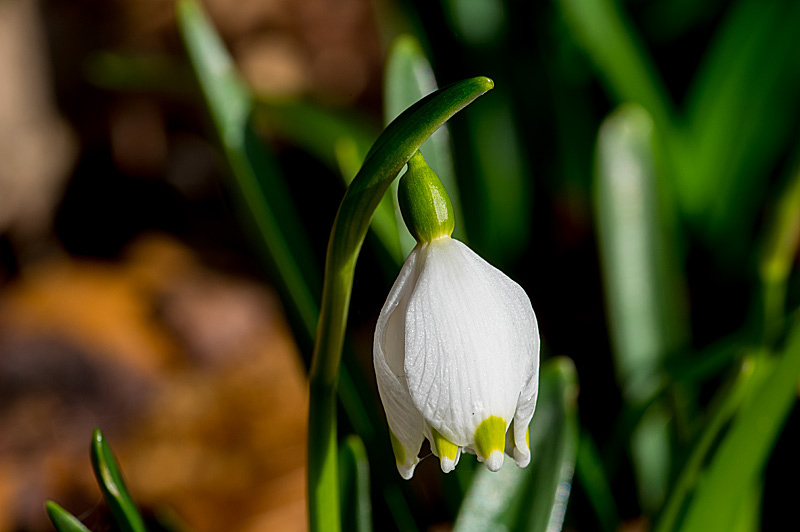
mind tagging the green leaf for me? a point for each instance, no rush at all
(750, 373)
(739, 116)
(603, 29)
(261, 190)
(263, 196)
(748, 514)
(62, 519)
(532, 499)
(501, 177)
(743, 452)
(556, 450)
(591, 475)
(339, 140)
(316, 128)
(779, 249)
(642, 283)
(354, 486)
(608, 37)
(109, 478)
(408, 78)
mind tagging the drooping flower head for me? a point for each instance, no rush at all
(456, 347)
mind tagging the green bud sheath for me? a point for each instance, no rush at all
(424, 202)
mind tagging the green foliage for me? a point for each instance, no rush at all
(390, 152)
(109, 478)
(260, 186)
(683, 172)
(738, 462)
(115, 493)
(62, 519)
(354, 485)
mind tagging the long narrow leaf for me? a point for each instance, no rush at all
(229, 103)
(502, 182)
(749, 375)
(591, 475)
(112, 485)
(354, 486)
(739, 117)
(743, 452)
(339, 140)
(640, 282)
(259, 185)
(614, 47)
(556, 450)
(780, 244)
(62, 520)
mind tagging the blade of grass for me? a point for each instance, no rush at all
(534, 498)
(642, 286)
(339, 140)
(228, 101)
(779, 249)
(745, 448)
(618, 53)
(739, 115)
(551, 473)
(590, 473)
(751, 371)
(259, 185)
(748, 513)
(62, 520)
(354, 486)
(315, 128)
(501, 180)
(112, 485)
(629, 73)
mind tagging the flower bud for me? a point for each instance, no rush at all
(424, 202)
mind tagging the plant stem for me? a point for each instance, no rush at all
(387, 157)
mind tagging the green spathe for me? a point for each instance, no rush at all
(424, 202)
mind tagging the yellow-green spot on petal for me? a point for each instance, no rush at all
(444, 447)
(397, 449)
(528, 437)
(490, 436)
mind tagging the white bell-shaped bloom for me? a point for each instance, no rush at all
(456, 356)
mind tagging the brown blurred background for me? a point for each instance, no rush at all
(129, 299)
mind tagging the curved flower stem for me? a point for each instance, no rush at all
(387, 157)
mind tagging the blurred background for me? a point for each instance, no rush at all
(657, 240)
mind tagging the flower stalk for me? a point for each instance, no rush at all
(391, 151)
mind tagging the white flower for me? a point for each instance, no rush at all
(456, 356)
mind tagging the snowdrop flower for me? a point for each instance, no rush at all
(456, 347)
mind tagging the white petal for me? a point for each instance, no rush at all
(526, 404)
(495, 461)
(468, 351)
(522, 418)
(405, 421)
